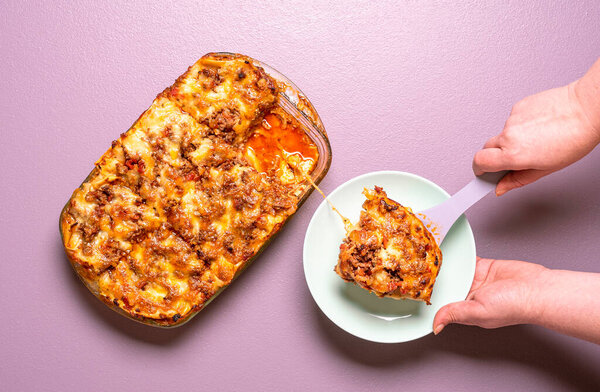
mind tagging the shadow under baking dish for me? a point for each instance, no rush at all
(354, 309)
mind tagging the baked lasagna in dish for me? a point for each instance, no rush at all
(389, 251)
(184, 199)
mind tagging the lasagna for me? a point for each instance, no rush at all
(389, 251)
(184, 199)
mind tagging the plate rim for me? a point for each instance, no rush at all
(312, 222)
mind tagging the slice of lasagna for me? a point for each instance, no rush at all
(390, 251)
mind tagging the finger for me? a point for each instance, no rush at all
(493, 142)
(482, 269)
(519, 178)
(464, 312)
(491, 160)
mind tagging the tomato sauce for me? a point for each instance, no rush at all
(274, 141)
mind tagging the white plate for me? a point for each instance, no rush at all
(356, 310)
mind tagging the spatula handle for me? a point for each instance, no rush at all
(474, 191)
(488, 181)
(443, 216)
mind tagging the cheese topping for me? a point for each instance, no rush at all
(390, 252)
(185, 198)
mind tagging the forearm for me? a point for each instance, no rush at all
(587, 93)
(568, 302)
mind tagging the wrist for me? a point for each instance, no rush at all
(567, 302)
(586, 97)
(536, 306)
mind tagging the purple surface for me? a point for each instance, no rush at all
(395, 84)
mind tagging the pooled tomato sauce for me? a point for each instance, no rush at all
(272, 138)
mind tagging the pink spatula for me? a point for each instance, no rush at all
(439, 219)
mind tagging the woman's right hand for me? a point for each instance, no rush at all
(543, 134)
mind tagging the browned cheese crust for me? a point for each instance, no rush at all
(390, 252)
(182, 201)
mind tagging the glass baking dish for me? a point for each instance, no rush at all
(295, 103)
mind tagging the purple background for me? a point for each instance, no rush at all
(395, 85)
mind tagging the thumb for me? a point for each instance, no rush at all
(464, 312)
(518, 178)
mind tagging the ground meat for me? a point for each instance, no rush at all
(388, 207)
(203, 286)
(238, 203)
(282, 203)
(227, 164)
(420, 250)
(137, 236)
(208, 234)
(88, 231)
(221, 124)
(100, 196)
(224, 119)
(135, 163)
(209, 78)
(364, 254)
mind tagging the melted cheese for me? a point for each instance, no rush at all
(390, 252)
(187, 196)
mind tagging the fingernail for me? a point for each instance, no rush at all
(438, 329)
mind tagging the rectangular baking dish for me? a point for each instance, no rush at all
(295, 103)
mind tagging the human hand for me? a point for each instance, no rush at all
(543, 134)
(503, 293)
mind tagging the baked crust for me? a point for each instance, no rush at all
(390, 252)
(181, 202)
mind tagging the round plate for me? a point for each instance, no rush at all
(358, 311)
